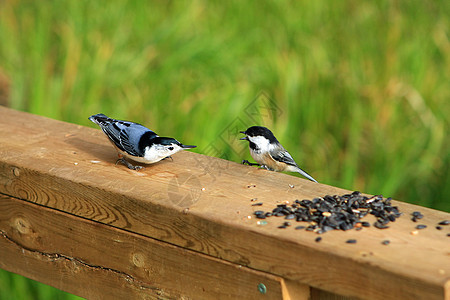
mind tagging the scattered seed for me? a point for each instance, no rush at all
(287, 223)
(257, 204)
(417, 215)
(386, 242)
(291, 186)
(318, 239)
(282, 226)
(445, 222)
(261, 222)
(351, 241)
(290, 217)
(448, 234)
(262, 216)
(253, 199)
(310, 228)
(380, 225)
(251, 186)
(365, 224)
(415, 232)
(300, 227)
(421, 226)
(438, 227)
(326, 214)
(370, 200)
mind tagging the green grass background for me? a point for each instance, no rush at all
(362, 87)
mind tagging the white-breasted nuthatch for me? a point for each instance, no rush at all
(267, 151)
(136, 142)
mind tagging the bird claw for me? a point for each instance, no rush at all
(246, 162)
(168, 157)
(130, 166)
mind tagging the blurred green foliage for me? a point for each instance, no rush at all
(362, 88)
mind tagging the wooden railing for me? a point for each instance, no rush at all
(72, 219)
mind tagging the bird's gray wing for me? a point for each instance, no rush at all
(125, 135)
(127, 144)
(281, 155)
(134, 138)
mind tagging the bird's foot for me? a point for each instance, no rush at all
(246, 162)
(168, 157)
(130, 166)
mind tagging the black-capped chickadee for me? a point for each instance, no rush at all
(269, 153)
(137, 142)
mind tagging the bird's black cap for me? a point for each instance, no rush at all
(259, 131)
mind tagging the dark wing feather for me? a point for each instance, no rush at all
(124, 134)
(283, 156)
(113, 133)
(127, 146)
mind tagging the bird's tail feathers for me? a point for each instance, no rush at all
(100, 119)
(306, 174)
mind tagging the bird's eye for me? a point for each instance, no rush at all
(170, 148)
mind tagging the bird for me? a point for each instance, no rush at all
(136, 142)
(267, 151)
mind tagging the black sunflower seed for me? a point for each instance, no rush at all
(445, 222)
(380, 226)
(421, 226)
(386, 242)
(351, 241)
(365, 224)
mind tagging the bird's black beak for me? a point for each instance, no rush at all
(187, 146)
(245, 137)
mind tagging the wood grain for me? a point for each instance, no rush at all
(98, 261)
(203, 204)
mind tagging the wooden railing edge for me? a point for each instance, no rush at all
(17, 182)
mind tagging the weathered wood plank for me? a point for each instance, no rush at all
(98, 261)
(202, 203)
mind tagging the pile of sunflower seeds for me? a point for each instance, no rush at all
(336, 212)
